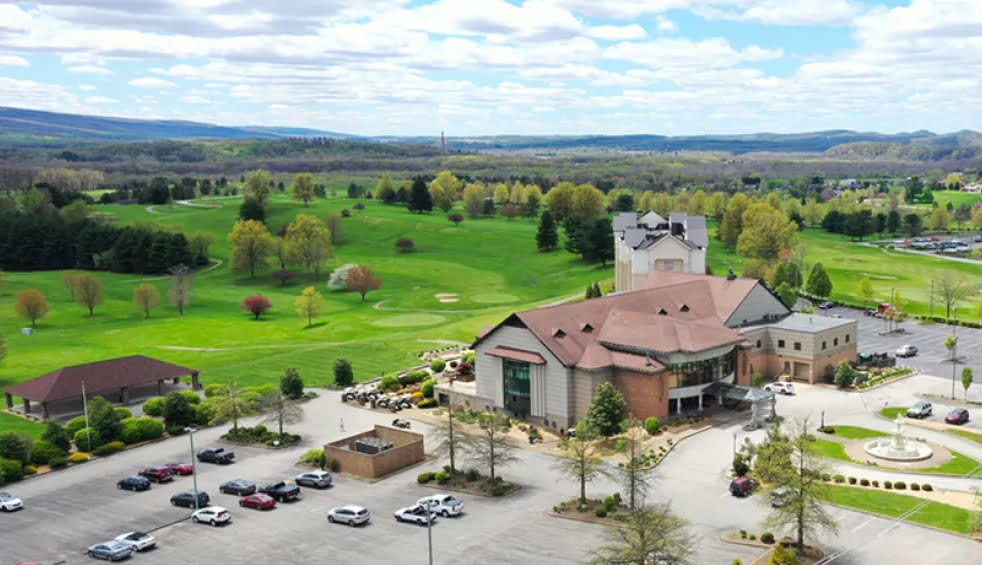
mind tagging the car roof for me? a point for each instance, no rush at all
(352, 507)
(213, 509)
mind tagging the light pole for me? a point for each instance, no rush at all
(194, 466)
(734, 445)
(429, 531)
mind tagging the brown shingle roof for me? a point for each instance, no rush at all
(517, 355)
(725, 295)
(100, 376)
(642, 331)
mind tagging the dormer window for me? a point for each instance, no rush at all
(684, 308)
(586, 328)
(557, 332)
(662, 312)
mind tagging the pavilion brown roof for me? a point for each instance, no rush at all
(100, 376)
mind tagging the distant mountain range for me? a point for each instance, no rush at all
(20, 127)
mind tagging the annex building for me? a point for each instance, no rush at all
(650, 243)
(664, 347)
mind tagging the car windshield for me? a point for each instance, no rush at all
(6, 496)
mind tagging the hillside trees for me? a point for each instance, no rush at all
(251, 245)
(308, 242)
(420, 199)
(474, 199)
(818, 283)
(385, 189)
(258, 186)
(446, 187)
(256, 304)
(198, 245)
(546, 238)
(765, 232)
(731, 226)
(302, 188)
(31, 305)
(361, 278)
(309, 304)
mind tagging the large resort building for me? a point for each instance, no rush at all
(671, 344)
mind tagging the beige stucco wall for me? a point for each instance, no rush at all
(585, 384)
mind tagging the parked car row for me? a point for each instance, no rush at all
(122, 546)
(924, 409)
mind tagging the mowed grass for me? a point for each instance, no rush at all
(936, 514)
(943, 197)
(891, 412)
(855, 432)
(492, 265)
(958, 465)
(847, 263)
(971, 436)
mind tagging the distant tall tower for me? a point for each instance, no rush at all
(443, 142)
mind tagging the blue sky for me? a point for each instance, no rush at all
(488, 67)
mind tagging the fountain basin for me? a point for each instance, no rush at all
(892, 450)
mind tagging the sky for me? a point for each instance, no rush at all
(497, 67)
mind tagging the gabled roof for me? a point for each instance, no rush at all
(642, 332)
(725, 295)
(100, 376)
(625, 220)
(695, 230)
(633, 237)
(652, 220)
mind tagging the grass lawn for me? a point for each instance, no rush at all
(890, 504)
(854, 432)
(491, 264)
(831, 450)
(848, 263)
(971, 436)
(943, 197)
(891, 412)
(958, 465)
(9, 423)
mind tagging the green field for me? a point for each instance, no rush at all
(936, 514)
(943, 197)
(848, 263)
(491, 264)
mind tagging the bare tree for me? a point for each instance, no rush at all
(180, 287)
(233, 404)
(281, 410)
(650, 535)
(581, 459)
(950, 291)
(635, 474)
(449, 440)
(489, 448)
(804, 493)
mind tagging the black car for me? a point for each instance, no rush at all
(238, 487)
(826, 305)
(133, 483)
(216, 455)
(281, 491)
(186, 499)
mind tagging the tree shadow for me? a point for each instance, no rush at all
(315, 325)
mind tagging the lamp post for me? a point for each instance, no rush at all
(194, 466)
(734, 445)
(822, 428)
(429, 531)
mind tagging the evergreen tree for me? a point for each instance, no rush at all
(546, 238)
(575, 234)
(598, 244)
(420, 199)
(252, 209)
(893, 221)
(607, 411)
(819, 283)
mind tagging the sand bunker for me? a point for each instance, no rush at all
(447, 297)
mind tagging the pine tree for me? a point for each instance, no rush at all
(546, 238)
(420, 199)
(818, 282)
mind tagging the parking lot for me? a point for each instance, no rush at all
(932, 357)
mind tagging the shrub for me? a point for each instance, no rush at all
(192, 396)
(453, 364)
(899, 485)
(743, 534)
(839, 479)
(753, 537)
(413, 377)
(915, 486)
(78, 458)
(737, 562)
(30, 470)
(427, 388)
(405, 244)
(389, 383)
(876, 483)
(620, 444)
(601, 512)
(927, 487)
(17, 446)
(417, 395)
(423, 478)
(344, 375)
(109, 448)
(767, 538)
(178, 410)
(314, 457)
(76, 424)
(652, 425)
(438, 365)
(427, 403)
(11, 470)
(58, 462)
(442, 477)
(150, 428)
(826, 477)
(334, 465)
(44, 451)
(83, 439)
(152, 407)
(472, 475)
(212, 390)
(864, 482)
(465, 368)
(740, 466)
(887, 485)
(55, 434)
(175, 430)
(131, 431)
(122, 413)
(291, 384)
(204, 413)
(783, 555)
(852, 480)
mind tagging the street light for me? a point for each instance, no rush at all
(429, 531)
(194, 466)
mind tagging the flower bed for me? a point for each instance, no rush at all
(260, 436)
(885, 377)
(471, 481)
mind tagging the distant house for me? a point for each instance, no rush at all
(653, 243)
(974, 188)
(850, 184)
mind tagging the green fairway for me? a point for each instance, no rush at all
(848, 263)
(491, 265)
(936, 514)
(943, 197)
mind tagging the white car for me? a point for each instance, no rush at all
(443, 504)
(414, 514)
(139, 541)
(9, 502)
(348, 514)
(780, 387)
(907, 351)
(213, 515)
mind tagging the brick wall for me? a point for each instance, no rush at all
(407, 450)
(646, 395)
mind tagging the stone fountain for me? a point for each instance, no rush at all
(898, 447)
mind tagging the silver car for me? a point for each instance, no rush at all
(348, 514)
(139, 541)
(110, 550)
(318, 479)
(9, 502)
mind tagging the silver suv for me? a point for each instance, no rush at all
(920, 410)
(318, 479)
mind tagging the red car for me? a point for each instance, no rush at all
(259, 501)
(180, 468)
(158, 474)
(957, 416)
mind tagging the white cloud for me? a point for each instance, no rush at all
(151, 82)
(665, 25)
(100, 100)
(617, 33)
(86, 87)
(89, 69)
(13, 61)
(194, 99)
